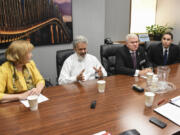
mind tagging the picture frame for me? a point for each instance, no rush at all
(143, 37)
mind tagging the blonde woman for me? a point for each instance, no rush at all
(19, 76)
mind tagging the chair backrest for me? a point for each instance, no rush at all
(149, 43)
(2, 58)
(61, 56)
(108, 57)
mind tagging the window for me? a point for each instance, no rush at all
(143, 13)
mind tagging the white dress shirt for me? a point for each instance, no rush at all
(72, 67)
(164, 49)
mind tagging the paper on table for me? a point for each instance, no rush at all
(169, 111)
(176, 101)
(41, 99)
(102, 133)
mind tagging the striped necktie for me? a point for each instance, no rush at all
(133, 55)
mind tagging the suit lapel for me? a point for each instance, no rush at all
(169, 53)
(160, 49)
(138, 58)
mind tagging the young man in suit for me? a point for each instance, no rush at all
(131, 58)
(164, 53)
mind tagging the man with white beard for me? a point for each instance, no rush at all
(80, 66)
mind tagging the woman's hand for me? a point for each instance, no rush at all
(35, 91)
(24, 95)
(38, 89)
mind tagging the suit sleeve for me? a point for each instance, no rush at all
(150, 57)
(178, 55)
(148, 62)
(121, 68)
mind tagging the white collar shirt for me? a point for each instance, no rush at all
(164, 49)
(132, 51)
(72, 67)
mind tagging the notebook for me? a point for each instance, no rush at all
(170, 111)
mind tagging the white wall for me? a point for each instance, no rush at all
(117, 19)
(168, 13)
(88, 20)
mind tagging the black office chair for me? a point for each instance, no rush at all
(149, 43)
(61, 56)
(108, 58)
(2, 58)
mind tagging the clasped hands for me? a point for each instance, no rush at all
(81, 77)
(33, 91)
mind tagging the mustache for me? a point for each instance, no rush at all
(82, 53)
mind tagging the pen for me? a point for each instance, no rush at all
(160, 102)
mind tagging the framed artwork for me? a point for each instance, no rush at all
(43, 22)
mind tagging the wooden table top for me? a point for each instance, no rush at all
(67, 112)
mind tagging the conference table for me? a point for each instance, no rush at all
(68, 112)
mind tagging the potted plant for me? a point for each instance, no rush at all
(156, 31)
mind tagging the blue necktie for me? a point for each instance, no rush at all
(165, 57)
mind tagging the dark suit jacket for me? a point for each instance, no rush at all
(155, 54)
(124, 62)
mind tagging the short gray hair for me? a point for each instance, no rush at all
(79, 39)
(132, 35)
